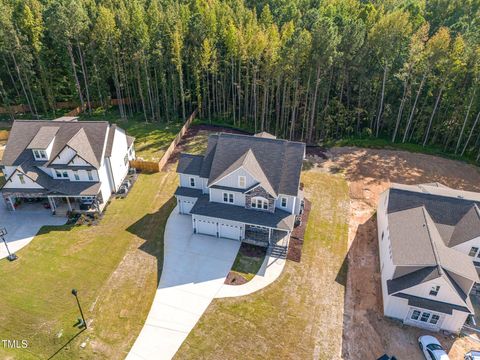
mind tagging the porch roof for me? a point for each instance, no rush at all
(62, 187)
(433, 305)
(278, 220)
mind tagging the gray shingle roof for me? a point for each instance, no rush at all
(190, 164)
(416, 241)
(414, 278)
(188, 192)
(433, 305)
(278, 163)
(24, 131)
(279, 219)
(54, 186)
(43, 138)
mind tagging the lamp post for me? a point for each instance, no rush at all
(75, 293)
(3, 232)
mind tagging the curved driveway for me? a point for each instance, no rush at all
(194, 270)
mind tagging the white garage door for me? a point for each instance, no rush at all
(229, 231)
(186, 206)
(206, 227)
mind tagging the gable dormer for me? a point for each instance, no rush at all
(42, 143)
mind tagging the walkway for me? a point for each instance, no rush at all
(270, 270)
(194, 270)
(23, 225)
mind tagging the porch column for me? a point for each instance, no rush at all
(68, 203)
(11, 205)
(52, 203)
(269, 235)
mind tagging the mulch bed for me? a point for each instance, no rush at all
(192, 132)
(296, 238)
(234, 279)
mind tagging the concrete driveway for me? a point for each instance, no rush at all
(23, 225)
(194, 270)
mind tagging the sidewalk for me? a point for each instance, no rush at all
(270, 270)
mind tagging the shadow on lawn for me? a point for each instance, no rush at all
(66, 344)
(151, 228)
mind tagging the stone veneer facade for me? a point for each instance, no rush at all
(259, 191)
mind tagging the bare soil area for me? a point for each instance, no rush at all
(366, 333)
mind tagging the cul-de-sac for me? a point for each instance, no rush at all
(239, 179)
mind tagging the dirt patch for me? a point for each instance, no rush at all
(195, 141)
(367, 333)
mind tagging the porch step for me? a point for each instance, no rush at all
(278, 251)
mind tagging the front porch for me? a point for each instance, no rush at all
(264, 236)
(57, 204)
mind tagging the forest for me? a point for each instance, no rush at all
(309, 70)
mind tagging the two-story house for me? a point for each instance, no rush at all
(429, 241)
(244, 187)
(64, 162)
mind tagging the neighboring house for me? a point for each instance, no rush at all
(429, 241)
(245, 188)
(65, 162)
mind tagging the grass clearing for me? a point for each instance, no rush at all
(301, 314)
(248, 261)
(151, 139)
(115, 266)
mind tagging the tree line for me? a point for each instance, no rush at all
(311, 70)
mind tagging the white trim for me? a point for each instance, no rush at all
(244, 178)
(228, 197)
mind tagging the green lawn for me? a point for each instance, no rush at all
(115, 266)
(152, 139)
(248, 261)
(300, 316)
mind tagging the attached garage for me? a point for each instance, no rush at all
(230, 231)
(206, 227)
(185, 205)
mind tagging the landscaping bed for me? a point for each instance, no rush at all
(295, 244)
(247, 263)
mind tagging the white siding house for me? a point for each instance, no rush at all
(425, 235)
(244, 188)
(62, 163)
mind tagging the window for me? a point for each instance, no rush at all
(65, 173)
(75, 174)
(242, 181)
(415, 315)
(434, 319)
(40, 154)
(284, 202)
(58, 174)
(425, 317)
(21, 178)
(228, 197)
(125, 159)
(383, 234)
(90, 175)
(259, 203)
(434, 290)
(192, 182)
(473, 251)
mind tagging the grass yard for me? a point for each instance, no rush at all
(115, 266)
(248, 261)
(152, 139)
(299, 316)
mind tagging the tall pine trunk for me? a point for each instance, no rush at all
(412, 112)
